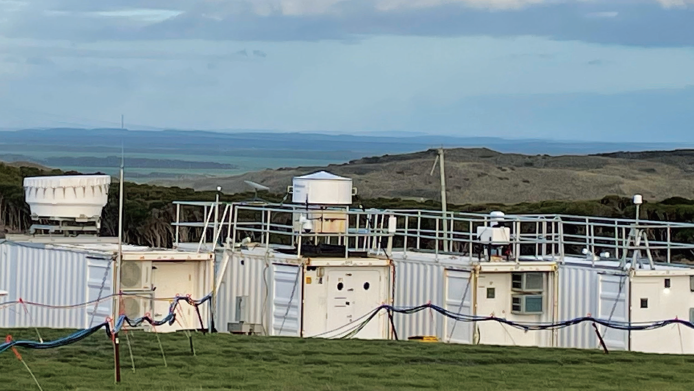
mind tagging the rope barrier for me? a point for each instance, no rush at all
(348, 330)
(111, 331)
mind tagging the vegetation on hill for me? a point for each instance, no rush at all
(482, 175)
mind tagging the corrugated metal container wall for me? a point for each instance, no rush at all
(286, 304)
(245, 276)
(48, 276)
(578, 290)
(203, 286)
(418, 283)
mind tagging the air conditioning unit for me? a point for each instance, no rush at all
(527, 282)
(136, 276)
(527, 304)
(136, 306)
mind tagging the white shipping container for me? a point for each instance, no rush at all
(652, 295)
(599, 291)
(578, 297)
(70, 284)
(605, 291)
(276, 294)
(61, 280)
(418, 282)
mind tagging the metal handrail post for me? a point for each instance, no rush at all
(178, 221)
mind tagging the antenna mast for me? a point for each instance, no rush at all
(120, 232)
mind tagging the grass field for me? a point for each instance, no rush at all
(226, 362)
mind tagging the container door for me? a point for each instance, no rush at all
(286, 300)
(99, 285)
(352, 296)
(613, 306)
(458, 300)
(170, 279)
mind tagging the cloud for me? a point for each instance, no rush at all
(623, 22)
(40, 61)
(603, 14)
(388, 5)
(42, 53)
(676, 3)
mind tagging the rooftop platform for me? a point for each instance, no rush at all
(450, 236)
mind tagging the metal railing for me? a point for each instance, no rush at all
(375, 231)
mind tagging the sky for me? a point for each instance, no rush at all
(617, 70)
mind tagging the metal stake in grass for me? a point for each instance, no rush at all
(161, 347)
(30, 318)
(132, 359)
(19, 357)
(187, 333)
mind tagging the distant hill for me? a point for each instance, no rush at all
(189, 154)
(20, 163)
(481, 175)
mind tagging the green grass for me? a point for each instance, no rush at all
(225, 362)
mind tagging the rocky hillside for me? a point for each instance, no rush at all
(484, 176)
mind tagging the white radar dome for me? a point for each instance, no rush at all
(69, 196)
(322, 188)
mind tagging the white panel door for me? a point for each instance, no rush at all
(352, 294)
(613, 305)
(99, 285)
(286, 300)
(170, 279)
(458, 300)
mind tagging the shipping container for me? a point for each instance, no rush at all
(476, 278)
(277, 294)
(70, 285)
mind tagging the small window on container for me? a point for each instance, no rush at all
(491, 293)
(644, 303)
(667, 282)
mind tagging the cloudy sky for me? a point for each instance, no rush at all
(562, 69)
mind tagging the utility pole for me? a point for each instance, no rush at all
(443, 200)
(442, 171)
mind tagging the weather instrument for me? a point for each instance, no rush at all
(256, 187)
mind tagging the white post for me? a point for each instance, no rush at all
(392, 229)
(178, 221)
(216, 215)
